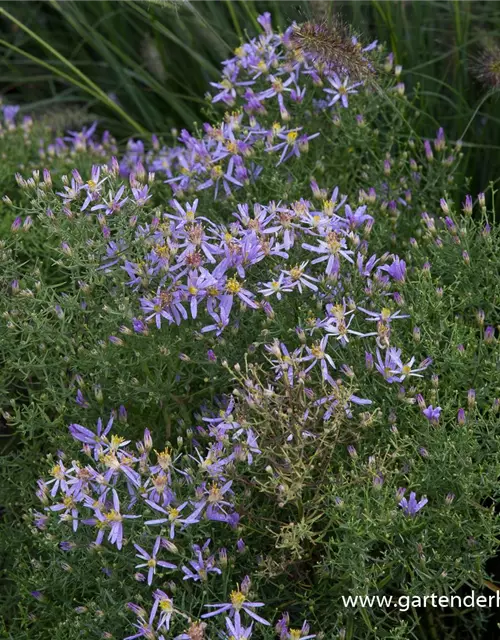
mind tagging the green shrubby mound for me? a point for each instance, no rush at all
(256, 371)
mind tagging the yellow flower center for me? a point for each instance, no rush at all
(166, 605)
(338, 311)
(317, 352)
(160, 482)
(333, 242)
(277, 85)
(291, 136)
(113, 516)
(111, 461)
(116, 441)
(68, 502)
(296, 273)
(57, 472)
(232, 147)
(173, 513)
(164, 459)
(300, 208)
(237, 599)
(233, 286)
(328, 207)
(162, 251)
(214, 494)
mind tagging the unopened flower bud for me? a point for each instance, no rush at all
(368, 360)
(449, 498)
(223, 557)
(467, 206)
(471, 398)
(489, 335)
(98, 393)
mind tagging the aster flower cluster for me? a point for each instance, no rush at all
(109, 487)
(230, 257)
(119, 486)
(268, 77)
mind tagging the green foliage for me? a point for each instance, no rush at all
(319, 492)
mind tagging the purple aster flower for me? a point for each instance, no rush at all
(40, 520)
(141, 195)
(218, 175)
(9, 114)
(340, 90)
(286, 633)
(166, 304)
(317, 354)
(96, 440)
(236, 630)
(151, 561)
(114, 520)
(238, 603)
(385, 315)
(173, 516)
(70, 509)
(114, 202)
(299, 278)
(330, 249)
(276, 287)
(265, 22)
(221, 319)
(201, 566)
(291, 144)
(432, 413)
(397, 269)
(235, 288)
(411, 507)
(80, 400)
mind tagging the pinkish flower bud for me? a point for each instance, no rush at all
(467, 206)
(471, 398)
(489, 335)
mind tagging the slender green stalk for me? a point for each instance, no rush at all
(91, 85)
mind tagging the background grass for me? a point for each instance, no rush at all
(144, 66)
